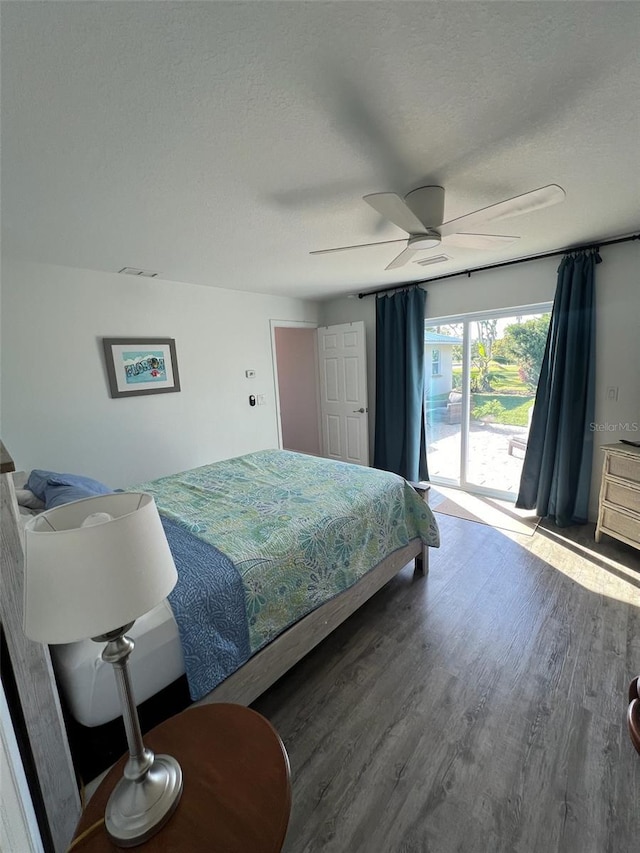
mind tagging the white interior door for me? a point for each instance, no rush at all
(344, 403)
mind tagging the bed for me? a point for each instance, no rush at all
(279, 516)
(301, 531)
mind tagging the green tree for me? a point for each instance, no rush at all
(524, 343)
(487, 333)
(498, 351)
(481, 376)
(481, 355)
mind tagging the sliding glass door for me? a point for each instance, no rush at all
(443, 389)
(482, 371)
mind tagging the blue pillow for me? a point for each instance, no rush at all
(57, 489)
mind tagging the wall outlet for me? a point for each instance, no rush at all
(612, 393)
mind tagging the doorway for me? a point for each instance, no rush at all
(482, 371)
(320, 383)
(295, 360)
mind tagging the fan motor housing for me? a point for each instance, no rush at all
(429, 240)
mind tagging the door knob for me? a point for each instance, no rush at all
(360, 410)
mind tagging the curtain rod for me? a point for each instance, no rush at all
(501, 264)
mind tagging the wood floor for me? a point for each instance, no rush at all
(480, 709)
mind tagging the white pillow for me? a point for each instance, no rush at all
(25, 497)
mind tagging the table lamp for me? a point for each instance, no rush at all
(92, 567)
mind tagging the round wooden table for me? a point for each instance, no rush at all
(237, 788)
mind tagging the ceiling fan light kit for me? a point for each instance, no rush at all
(425, 241)
(421, 214)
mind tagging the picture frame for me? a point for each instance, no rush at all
(137, 366)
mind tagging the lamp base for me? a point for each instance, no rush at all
(138, 809)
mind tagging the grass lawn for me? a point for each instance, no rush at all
(508, 390)
(516, 408)
(506, 379)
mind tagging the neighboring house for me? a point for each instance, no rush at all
(438, 357)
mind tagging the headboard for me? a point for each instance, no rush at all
(35, 681)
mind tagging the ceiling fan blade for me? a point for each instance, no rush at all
(359, 246)
(393, 208)
(525, 203)
(463, 240)
(403, 258)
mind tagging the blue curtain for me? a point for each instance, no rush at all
(400, 442)
(556, 473)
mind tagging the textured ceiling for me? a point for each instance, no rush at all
(219, 143)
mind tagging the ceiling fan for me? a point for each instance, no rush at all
(421, 212)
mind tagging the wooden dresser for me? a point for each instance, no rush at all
(619, 513)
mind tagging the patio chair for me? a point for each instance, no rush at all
(454, 407)
(520, 441)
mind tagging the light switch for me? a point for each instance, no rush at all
(612, 392)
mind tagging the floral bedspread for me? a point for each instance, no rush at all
(298, 529)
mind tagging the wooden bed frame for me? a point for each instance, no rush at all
(37, 689)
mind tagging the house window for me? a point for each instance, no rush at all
(435, 362)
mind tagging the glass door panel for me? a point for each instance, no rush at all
(443, 396)
(505, 359)
(481, 376)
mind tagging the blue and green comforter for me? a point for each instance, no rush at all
(286, 532)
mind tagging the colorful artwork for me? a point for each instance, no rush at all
(144, 367)
(141, 366)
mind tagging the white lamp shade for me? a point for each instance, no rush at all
(84, 581)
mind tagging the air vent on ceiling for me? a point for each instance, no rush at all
(134, 271)
(434, 259)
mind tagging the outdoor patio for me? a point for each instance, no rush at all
(490, 465)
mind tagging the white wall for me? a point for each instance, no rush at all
(56, 410)
(509, 287)
(617, 327)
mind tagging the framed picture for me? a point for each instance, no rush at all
(141, 366)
